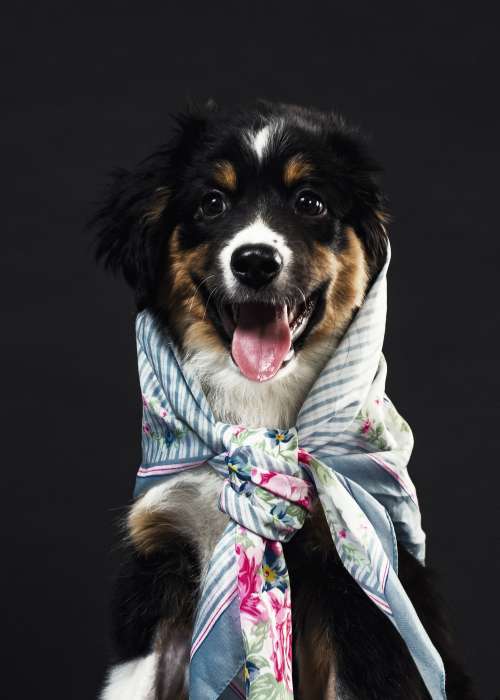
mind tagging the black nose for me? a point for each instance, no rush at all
(256, 265)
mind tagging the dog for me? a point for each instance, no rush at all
(253, 237)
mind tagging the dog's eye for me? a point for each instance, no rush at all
(308, 203)
(213, 204)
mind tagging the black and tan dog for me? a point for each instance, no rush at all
(254, 236)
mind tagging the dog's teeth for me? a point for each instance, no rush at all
(299, 325)
(289, 354)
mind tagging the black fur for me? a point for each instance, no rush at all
(149, 588)
(130, 242)
(371, 658)
(156, 594)
(153, 607)
(155, 598)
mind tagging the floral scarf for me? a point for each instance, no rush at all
(349, 449)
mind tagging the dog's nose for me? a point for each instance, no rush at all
(256, 265)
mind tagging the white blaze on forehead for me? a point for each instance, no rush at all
(257, 233)
(260, 141)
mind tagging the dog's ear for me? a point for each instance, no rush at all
(137, 216)
(369, 218)
(128, 226)
(360, 181)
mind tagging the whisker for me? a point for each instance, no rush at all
(302, 294)
(208, 301)
(196, 291)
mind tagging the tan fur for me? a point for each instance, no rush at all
(384, 217)
(225, 175)
(295, 170)
(147, 529)
(158, 206)
(229, 393)
(349, 273)
(316, 667)
(186, 310)
(162, 513)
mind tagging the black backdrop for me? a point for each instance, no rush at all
(88, 88)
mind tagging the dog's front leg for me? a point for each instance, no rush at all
(171, 532)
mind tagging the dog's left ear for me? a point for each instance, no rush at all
(359, 177)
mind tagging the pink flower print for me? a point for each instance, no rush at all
(144, 401)
(291, 488)
(257, 475)
(275, 547)
(378, 402)
(302, 493)
(304, 456)
(366, 426)
(163, 413)
(146, 428)
(281, 631)
(343, 533)
(250, 586)
(279, 484)
(238, 429)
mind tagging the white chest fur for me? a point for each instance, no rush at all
(275, 403)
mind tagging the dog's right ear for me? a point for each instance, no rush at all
(137, 215)
(128, 225)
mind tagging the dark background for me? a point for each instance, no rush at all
(88, 88)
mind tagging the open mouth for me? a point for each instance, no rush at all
(264, 337)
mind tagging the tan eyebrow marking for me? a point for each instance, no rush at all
(225, 175)
(295, 169)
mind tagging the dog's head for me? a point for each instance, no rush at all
(253, 235)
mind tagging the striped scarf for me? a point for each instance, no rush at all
(349, 449)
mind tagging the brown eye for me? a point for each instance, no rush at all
(308, 203)
(213, 204)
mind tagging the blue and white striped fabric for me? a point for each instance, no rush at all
(347, 426)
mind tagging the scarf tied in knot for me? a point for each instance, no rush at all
(349, 449)
(266, 490)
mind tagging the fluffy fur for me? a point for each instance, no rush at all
(296, 188)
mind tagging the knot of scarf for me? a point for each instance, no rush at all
(266, 490)
(267, 493)
(353, 455)
(270, 486)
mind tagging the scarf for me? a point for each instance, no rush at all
(349, 449)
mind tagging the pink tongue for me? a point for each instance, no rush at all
(261, 340)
